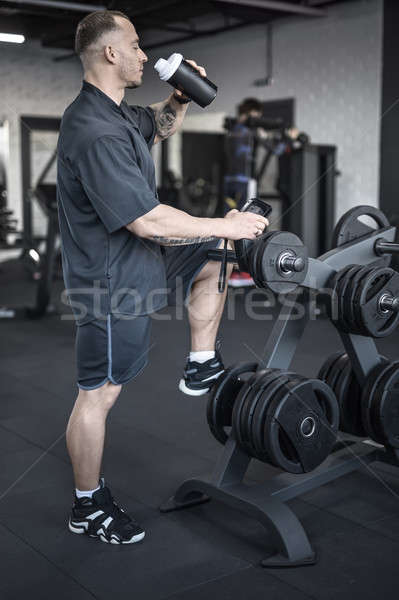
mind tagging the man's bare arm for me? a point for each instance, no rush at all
(169, 226)
(169, 116)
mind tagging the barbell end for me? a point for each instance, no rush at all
(382, 247)
(292, 264)
(389, 303)
(298, 265)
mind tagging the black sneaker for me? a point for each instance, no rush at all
(198, 378)
(100, 517)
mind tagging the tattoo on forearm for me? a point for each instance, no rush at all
(167, 241)
(165, 119)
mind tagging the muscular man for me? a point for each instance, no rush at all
(125, 255)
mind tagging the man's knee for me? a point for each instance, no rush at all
(103, 397)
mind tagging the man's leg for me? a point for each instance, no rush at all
(206, 307)
(205, 311)
(86, 432)
(95, 512)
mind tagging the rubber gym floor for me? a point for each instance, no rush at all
(156, 438)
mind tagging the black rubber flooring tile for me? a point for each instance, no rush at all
(11, 442)
(170, 416)
(28, 468)
(248, 584)
(171, 557)
(366, 497)
(353, 562)
(27, 573)
(45, 430)
(147, 467)
(42, 371)
(21, 396)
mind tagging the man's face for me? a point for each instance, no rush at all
(131, 58)
(254, 114)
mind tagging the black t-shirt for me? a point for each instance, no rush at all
(105, 180)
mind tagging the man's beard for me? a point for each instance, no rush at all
(132, 86)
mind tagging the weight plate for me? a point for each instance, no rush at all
(351, 298)
(248, 409)
(333, 304)
(356, 291)
(327, 365)
(257, 247)
(256, 384)
(335, 371)
(274, 395)
(222, 398)
(348, 393)
(350, 228)
(275, 380)
(243, 250)
(238, 407)
(342, 289)
(385, 407)
(301, 425)
(257, 258)
(374, 321)
(369, 390)
(278, 244)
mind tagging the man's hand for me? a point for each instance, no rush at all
(244, 225)
(200, 70)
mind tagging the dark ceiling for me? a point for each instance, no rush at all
(159, 22)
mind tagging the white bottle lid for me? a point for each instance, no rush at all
(166, 68)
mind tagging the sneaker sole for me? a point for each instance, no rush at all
(186, 390)
(80, 529)
(237, 284)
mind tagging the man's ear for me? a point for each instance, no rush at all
(109, 54)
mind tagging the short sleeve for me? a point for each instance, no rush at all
(146, 121)
(113, 182)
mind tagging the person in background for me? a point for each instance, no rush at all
(240, 156)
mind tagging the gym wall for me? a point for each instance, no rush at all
(332, 68)
(32, 84)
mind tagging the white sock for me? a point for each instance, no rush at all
(85, 494)
(202, 356)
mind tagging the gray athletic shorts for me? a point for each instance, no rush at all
(116, 349)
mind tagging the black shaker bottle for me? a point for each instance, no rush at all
(182, 76)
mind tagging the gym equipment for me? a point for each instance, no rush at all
(338, 373)
(277, 416)
(222, 398)
(380, 404)
(199, 197)
(44, 265)
(278, 261)
(365, 300)
(297, 420)
(350, 228)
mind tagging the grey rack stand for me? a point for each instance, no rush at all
(266, 502)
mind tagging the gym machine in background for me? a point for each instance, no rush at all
(317, 429)
(39, 249)
(296, 176)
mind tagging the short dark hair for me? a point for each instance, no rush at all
(92, 27)
(249, 104)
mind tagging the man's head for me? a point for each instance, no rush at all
(249, 107)
(107, 40)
